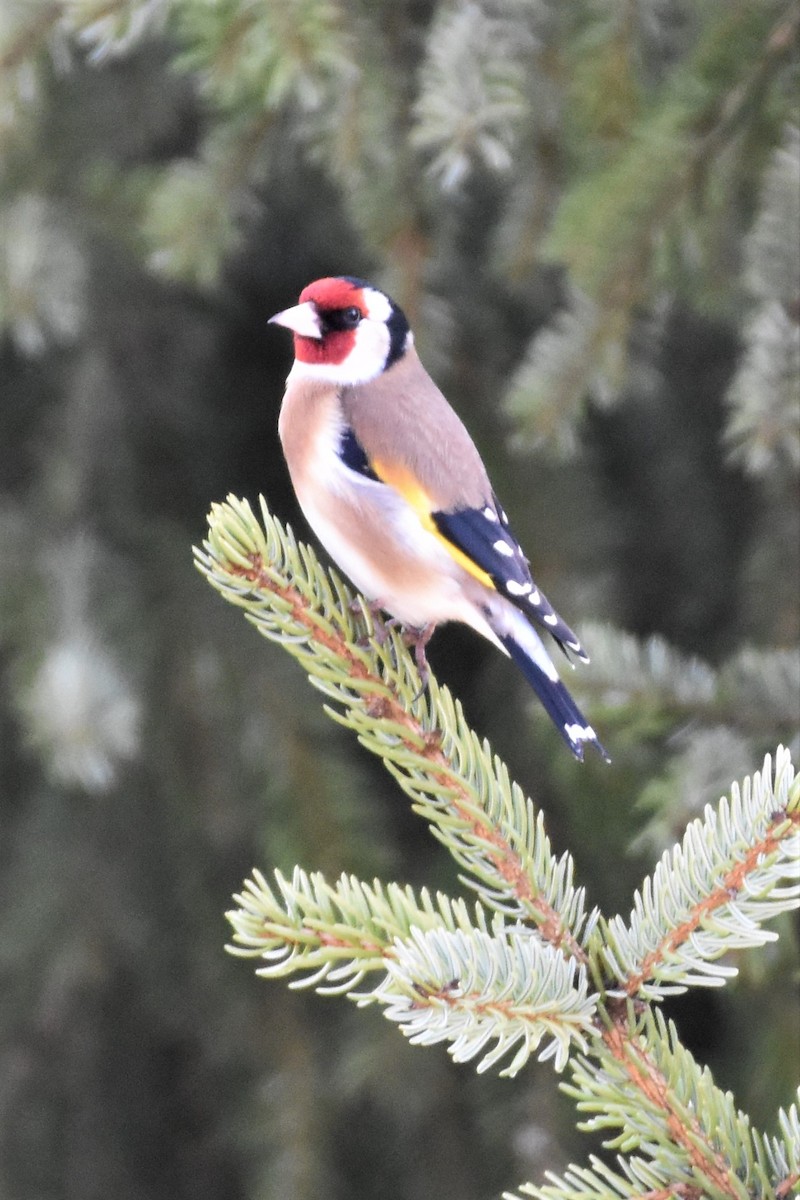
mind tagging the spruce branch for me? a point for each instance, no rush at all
(447, 974)
(472, 988)
(104, 27)
(700, 108)
(111, 27)
(755, 691)
(770, 1168)
(472, 93)
(609, 227)
(43, 275)
(783, 1153)
(647, 672)
(637, 1179)
(764, 417)
(263, 56)
(495, 990)
(583, 349)
(21, 39)
(338, 932)
(364, 668)
(668, 1109)
(733, 870)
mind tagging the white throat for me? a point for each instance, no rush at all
(365, 361)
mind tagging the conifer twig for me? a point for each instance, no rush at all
(423, 740)
(490, 987)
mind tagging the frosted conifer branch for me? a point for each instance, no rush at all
(666, 1108)
(487, 824)
(489, 995)
(734, 869)
(472, 97)
(330, 936)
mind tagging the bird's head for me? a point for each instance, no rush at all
(345, 331)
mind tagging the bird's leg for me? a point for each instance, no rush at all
(412, 636)
(419, 638)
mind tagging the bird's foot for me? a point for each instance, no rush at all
(413, 637)
(419, 638)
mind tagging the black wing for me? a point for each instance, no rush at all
(484, 536)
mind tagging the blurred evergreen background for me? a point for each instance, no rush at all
(589, 210)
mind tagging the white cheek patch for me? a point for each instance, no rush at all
(368, 357)
(377, 305)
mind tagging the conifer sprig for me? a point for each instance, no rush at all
(330, 936)
(448, 973)
(364, 668)
(677, 1134)
(493, 988)
(504, 989)
(667, 1108)
(710, 894)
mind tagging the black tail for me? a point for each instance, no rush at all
(561, 708)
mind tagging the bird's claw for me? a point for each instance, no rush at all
(413, 637)
(419, 638)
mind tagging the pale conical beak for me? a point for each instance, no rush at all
(302, 319)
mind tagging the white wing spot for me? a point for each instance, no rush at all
(580, 733)
(579, 650)
(517, 589)
(550, 619)
(490, 514)
(535, 597)
(504, 548)
(503, 516)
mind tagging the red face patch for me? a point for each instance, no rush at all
(328, 295)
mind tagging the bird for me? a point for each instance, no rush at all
(392, 484)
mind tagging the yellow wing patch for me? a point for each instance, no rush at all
(404, 482)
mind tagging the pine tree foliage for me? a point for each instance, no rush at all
(498, 82)
(585, 202)
(456, 783)
(756, 688)
(472, 92)
(711, 894)
(764, 397)
(492, 987)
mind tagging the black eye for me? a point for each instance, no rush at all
(350, 317)
(336, 320)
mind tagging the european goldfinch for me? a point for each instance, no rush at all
(392, 484)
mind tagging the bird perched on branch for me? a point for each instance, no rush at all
(393, 486)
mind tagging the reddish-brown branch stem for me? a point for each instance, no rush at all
(788, 1186)
(683, 1191)
(684, 1129)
